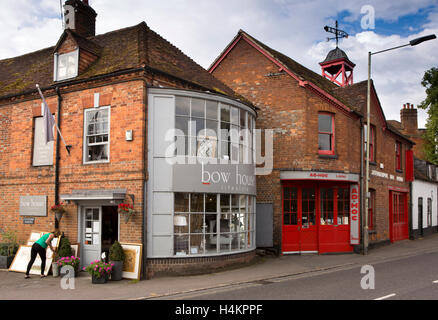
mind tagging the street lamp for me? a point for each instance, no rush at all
(413, 42)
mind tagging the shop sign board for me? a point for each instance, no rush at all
(354, 214)
(315, 175)
(214, 178)
(33, 206)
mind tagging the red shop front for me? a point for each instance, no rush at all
(398, 214)
(320, 212)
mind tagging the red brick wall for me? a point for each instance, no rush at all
(292, 111)
(125, 169)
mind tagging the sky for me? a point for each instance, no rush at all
(203, 28)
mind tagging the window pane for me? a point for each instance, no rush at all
(210, 203)
(225, 113)
(326, 206)
(197, 202)
(181, 123)
(324, 142)
(99, 152)
(182, 106)
(324, 123)
(225, 203)
(181, 244)
(308, 206)
(180, 223)
(198, 108)
(243, 119)
(196, 222)
(181, 202)
(196, 244)
(235, 116)
(211, 110)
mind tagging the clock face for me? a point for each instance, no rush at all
(206, 148)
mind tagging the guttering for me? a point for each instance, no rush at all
(57, 159)
(362, 195)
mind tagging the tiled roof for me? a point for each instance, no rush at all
(123, 49)
(302, 72)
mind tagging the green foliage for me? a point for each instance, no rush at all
(116, 252)
(430, 82)
(64, 248)
(10, 245)
(99, 268)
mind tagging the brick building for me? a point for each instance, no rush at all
(115, 96)
(319, 133)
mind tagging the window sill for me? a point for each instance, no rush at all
(328, 156)
(95, 162)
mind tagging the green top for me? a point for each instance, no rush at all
(42, 241)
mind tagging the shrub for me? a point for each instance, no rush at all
(64, 248)
(116, 252)
(10, 245)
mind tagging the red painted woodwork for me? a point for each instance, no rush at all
(313, 213)
(409, 165)
(398, 216)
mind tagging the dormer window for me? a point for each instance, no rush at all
(66, 65)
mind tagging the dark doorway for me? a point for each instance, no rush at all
(110, 227)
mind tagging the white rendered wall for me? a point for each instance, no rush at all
(425, 190)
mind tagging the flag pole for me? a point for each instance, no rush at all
(67, 146)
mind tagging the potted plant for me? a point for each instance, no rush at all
(99, 271)
(126, 210)
(69, 261)
(59, 210)
(116, 256)
(8, 248)
(65, 252)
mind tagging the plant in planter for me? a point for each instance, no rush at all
(70, 261)
(64, 251)
(126, 210)
(99, 271)
(116, 256)
(8, 248)
(59, 210)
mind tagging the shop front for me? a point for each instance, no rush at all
(320, 212)
(98, 221)
(202, 186)
(398, 214)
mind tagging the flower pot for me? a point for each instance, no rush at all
(117, 270)
(55, 269)
(103, 279)
(58, 216)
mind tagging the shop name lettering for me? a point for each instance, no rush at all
(354, 213)
(325, 175)
(225, 177)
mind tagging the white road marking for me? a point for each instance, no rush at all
(436, 281)
(386, 297)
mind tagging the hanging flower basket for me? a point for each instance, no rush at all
(126, 210)
(59, 210)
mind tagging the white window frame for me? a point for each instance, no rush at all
(85, 144)
(57, 56)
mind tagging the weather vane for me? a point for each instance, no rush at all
(339, 33)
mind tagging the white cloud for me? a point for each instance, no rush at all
(202, 29)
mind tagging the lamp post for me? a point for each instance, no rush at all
(413, 42)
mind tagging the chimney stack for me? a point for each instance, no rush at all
(80, 17)
(409, 120)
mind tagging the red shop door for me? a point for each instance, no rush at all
(398, 217)
(300, 233)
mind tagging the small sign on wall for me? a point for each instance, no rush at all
(29, 220)
(33, 206)
(354, 214)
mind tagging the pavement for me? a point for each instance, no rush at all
(13, 286)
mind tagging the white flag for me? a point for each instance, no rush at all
(48, 120)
